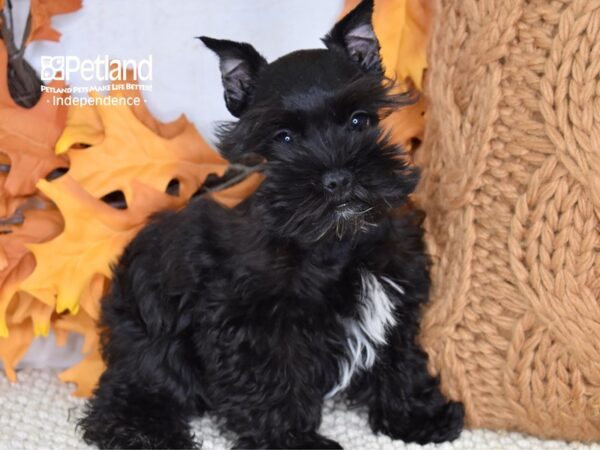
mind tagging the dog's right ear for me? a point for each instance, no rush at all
(354, 34)
(240, 64)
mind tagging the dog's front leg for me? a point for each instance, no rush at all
(290, 439)
(276, 415)
(280, 408)
(404, 400)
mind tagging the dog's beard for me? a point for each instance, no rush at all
(345, 221)
(323, 220)
(352, 219)
(316, 218)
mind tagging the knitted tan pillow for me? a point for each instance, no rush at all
(511, 187)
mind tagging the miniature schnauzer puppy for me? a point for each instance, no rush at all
(310, 289)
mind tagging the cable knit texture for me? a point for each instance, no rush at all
(511, 187)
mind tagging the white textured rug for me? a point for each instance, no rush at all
(39, 412)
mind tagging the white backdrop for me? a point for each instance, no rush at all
(185, 74)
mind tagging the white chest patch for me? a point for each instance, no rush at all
(368, 330)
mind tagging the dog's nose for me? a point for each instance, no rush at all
(337, 181)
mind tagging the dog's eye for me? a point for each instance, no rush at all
(284, 136)
(361, 120)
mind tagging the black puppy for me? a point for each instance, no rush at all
(309, 289)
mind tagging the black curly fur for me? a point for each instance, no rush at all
(246, 312)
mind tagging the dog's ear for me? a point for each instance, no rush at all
(354, 35)
(240, 64)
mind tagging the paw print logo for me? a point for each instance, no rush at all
(53, 68)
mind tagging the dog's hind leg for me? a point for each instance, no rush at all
(147, 394)
(129, 412)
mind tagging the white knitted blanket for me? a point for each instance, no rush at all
(39, 413)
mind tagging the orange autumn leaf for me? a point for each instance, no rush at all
(84, 124)
(27, 136)
(41, 17)
(131, 151)
(84, 127)
(38, 226)
(94, 236)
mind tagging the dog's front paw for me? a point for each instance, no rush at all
(316, 441)
(422, 427)
(288, 440)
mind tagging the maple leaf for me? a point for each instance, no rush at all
(131, 151)
(41, 17)
(38, 226)
(93, 238)
(28, 135)
(84, 126)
